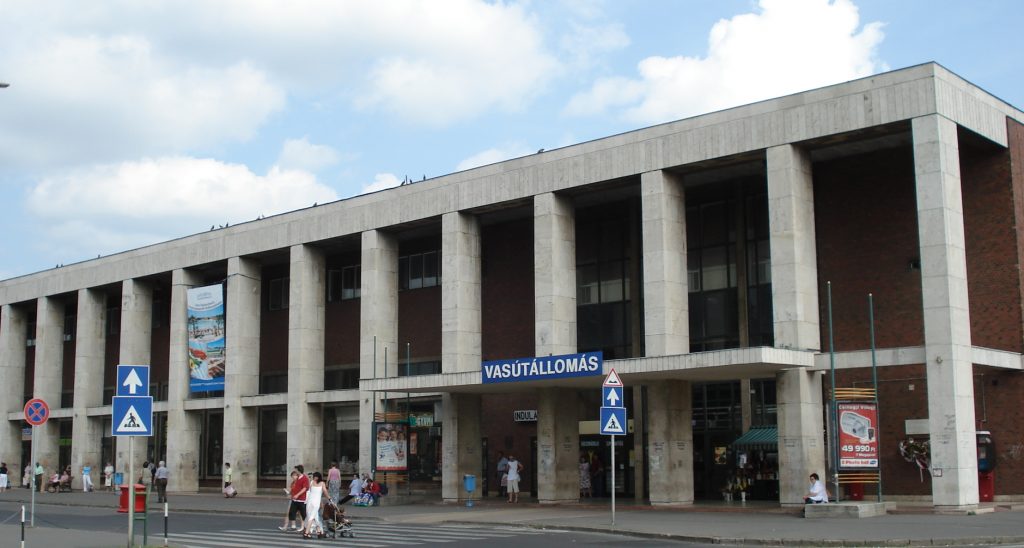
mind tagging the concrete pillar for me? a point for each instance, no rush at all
(794, 259)
(48, 373)
(666, 301)
(136, 341)
(90, 350)
(306, 293)
(558, 446)
(242, 376)
(461, 446)
(670, 443)
(746, 405)
(554, 275)
(801, 449)
(13, 335)
(639, 427)
(183, 428)
(947, 322)
(460, 293)
(378, 315)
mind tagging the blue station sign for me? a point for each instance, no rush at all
(586, 364)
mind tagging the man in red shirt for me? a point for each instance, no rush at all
(298, 496)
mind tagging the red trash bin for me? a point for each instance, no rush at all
(855, 491)
(986, 486)
(140, 499)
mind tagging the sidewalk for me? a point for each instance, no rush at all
(719, 523)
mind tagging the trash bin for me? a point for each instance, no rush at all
(469, 482)
(855, 491)
(118, 478)
(140, 499)
(986, 486)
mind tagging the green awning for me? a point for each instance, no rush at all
(761, 437)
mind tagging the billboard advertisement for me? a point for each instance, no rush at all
(206, 338)
(392, 446)
(858, 435)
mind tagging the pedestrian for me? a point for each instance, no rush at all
(334, 482)
(39, 477)
(288, 493)
(3, 477)
(515, 469)
(229, 490)
(108, 476)
(597, 483)
(584, 477)
(160, 476)
(142, 473)
(500, 472)
(298, 496)
(316, 492)
(152, 472)
(26, 478)
(355, 488)
(816, 494)
(87, 478)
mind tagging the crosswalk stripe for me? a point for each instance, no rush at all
(221, 539)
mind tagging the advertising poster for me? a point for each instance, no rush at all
(858, 434)
(206, 338)
(392, 446)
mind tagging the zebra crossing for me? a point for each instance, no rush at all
(377, 534)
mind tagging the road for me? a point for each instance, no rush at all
(96, 527)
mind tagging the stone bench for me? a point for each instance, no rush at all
(846, 510)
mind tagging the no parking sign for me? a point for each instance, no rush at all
(36, 412)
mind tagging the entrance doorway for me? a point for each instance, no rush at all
(598, 450)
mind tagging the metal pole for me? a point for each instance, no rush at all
(32, 479)
(408, 425)
(165, 524)
(613, 479)
(874, 379)
(833, 442)
(22, 526)
(131, 491)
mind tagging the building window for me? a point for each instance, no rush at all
(279, 294)
(759, 273)
(273, 442)
(764, 409)
(603, 283)
(344, 284)
(341, 377)
(419, 270)
(70, 325)
(413, 369)
(273, 383)
(711, 271)
(30, 334)
(113, 322)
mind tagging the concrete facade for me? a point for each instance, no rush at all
(790, 150)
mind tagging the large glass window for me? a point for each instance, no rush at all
(602, 282)
(273, 442)
(341, 438)
(419, 270)
(759, 273)
(278, 294)
(711, 271)
(343, 284)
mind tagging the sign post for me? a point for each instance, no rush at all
(613, 418)
(132, 415)
(36, 414)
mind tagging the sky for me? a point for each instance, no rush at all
(129, 123)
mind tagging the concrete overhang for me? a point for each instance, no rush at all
(915, 355)
(265, 400)
(205, 403)
(699, 366)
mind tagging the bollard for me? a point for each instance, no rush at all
(22, 526)
(165, 525)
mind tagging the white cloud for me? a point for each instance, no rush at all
(785, 47)
(381, 181)
(493, 155)
(301, 154)
(113, 207)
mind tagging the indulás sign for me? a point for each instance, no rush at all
(586, 364)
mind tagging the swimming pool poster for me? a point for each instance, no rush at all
(206, 362)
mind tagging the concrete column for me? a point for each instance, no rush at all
(306, 293)
(794, 259)
(136, 341)
(670, 443)
(48, 373)
(639, 427)
(947, 322)
(242, 376)
(801, 449)
(461, 446)
(378, 328)
(13, 335)
(558, 446)
(90, 350)
(184, 429)
(554, 275)
(666, 301)
(746, 405)
(460, 293)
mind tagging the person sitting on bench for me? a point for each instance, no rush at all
(817, 493)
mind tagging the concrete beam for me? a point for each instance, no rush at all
(184, 428)
(90, 349)
(13, 335)
(554, 263)
(305, 355)
(460, 293)
(242, 378)
(666, 298)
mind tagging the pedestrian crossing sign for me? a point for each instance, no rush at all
(613, 421)
(132, 416)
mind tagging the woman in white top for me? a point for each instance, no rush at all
(316, 492)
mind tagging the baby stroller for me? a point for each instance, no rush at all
(336, 523)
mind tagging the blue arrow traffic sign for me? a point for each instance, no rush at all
(132, 416)
(613, 421)
(132, 380)
(611, 396)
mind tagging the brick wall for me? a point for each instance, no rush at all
(419, 324)
(507, 290)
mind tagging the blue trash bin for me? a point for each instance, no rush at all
(469, 482)
(118, 478)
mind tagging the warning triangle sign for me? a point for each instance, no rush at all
(613, 426)
(612, 379)
(131, 422)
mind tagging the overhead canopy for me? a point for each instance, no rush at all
(764, 437)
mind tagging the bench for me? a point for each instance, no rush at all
(846, 510)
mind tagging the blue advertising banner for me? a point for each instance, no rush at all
(206, 338)
(586, 364)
